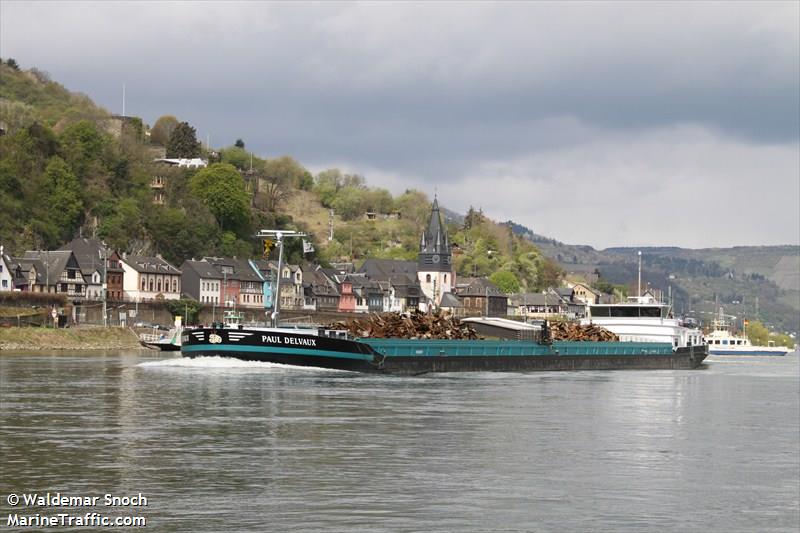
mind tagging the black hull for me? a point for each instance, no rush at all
(163, 346)
(333, 363)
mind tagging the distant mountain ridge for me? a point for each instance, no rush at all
(750, 281)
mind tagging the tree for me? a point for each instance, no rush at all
(237, 157)
(278, 176)
(183, 142)
(123, 226)
(63, 202)
(328, 183)
(81, 145)
(221, 188)
(16, 115)
(757, 333)
(239, 144)
(162, 130)
(506, 281)
(186, 308)
(349, 203)
(11, 62)
(414, 206)
(550, 274)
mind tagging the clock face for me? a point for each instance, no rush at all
(435, 258)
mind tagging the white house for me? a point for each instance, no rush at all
(6, 275)
(150, 278)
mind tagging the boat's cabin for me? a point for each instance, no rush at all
(629, 311)
(334, 333)
(727, 342)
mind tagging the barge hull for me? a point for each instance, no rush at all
(293, 359)
(413, 365)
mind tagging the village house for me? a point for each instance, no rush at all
(481, 297)
(398, 280)
(347, 298)
(584, 293)
(150, 278)
(91, 255)
(267, 271)
(25, 274)
(55, 272)
(320, 292)
(202, 281)
(6, 273)
(251, 284)
(537, 305)
(229, 289)
(291, 287)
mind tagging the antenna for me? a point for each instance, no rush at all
(123, 99)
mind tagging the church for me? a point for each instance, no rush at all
(427, 280)
(435, 270)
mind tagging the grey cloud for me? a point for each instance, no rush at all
(437, 92)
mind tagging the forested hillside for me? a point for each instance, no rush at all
(69, 168)
(747, 281)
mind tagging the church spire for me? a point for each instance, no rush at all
(434, 246)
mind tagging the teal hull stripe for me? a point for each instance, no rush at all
(275, 350)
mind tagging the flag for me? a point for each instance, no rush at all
(269, 244)
(307, 247)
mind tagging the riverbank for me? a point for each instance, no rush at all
(78, 338)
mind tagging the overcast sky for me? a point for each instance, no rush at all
(609, 124)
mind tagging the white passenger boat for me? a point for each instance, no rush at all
(722, 341)
(644, 319)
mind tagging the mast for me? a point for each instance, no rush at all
(278, 235)
(639, 289)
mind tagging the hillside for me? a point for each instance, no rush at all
(752, 281)
(69, 168)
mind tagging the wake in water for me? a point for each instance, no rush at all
(229, 363)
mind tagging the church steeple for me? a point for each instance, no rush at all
(434, 246)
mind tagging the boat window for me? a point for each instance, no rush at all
(724, 341)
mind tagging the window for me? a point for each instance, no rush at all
(144, 284)
(427, 278)
(5, 283)
(445, 278)
(151, 285)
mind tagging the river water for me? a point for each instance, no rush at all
(223, 445)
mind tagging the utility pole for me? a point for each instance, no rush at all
(105, 282)
(224, 289)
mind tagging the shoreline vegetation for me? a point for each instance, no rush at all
(76, 338)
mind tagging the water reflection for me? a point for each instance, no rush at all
(218, 444)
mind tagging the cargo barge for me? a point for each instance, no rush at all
(337, 350)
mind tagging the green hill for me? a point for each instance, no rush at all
(747, 281)
(68, 168)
